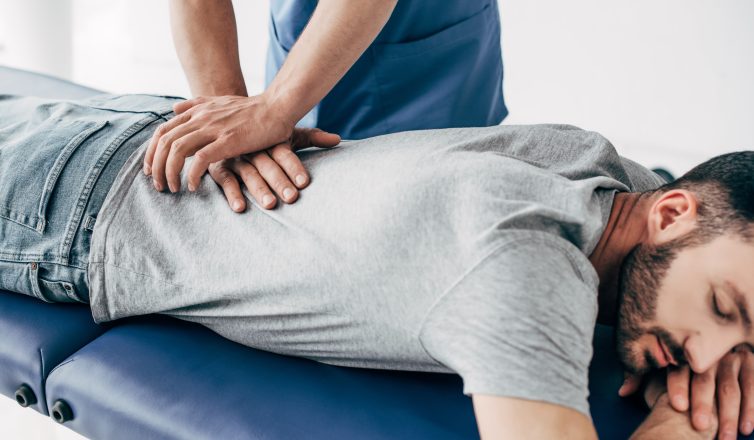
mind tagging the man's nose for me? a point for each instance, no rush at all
(703, 355)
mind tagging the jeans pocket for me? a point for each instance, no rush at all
(33, 156)
(51, 290)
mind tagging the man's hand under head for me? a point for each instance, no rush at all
(276, 169)
(722, 396)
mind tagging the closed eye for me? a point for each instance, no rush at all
(718, 312)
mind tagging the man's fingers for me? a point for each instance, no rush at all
(254, 182)
(275, 177)
(702, 399)
(223, 176)
(161, 130)
(746, 380)
(631, 384)
(290, 163)
(728, 396)
(678, 387)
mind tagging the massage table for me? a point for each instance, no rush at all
(156, 377)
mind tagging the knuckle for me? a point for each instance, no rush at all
(200, 156)
(178, 146)
(227, 179)
(727, 390)
(260, 188)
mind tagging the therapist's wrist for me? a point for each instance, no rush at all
(284, 104)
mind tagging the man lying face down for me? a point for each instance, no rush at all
(488, 252)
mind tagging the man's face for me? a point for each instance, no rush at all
(698, 311)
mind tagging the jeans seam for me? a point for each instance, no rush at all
(75, 220)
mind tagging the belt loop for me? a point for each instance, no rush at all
(89, 223)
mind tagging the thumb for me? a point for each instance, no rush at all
(631, 384)
(313, 137)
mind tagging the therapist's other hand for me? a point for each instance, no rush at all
(212, 129)
(727, 387)
(277, 170)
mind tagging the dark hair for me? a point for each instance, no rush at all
(724, 186)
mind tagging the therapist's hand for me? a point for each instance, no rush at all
(729, 387)
(212, 129)
(277, 169)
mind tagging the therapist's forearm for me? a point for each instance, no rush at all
(205, 37)
(337, 34)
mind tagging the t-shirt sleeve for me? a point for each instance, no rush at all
(520, 324)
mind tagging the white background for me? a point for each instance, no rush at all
(670, 82)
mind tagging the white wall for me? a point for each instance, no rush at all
(669, 82)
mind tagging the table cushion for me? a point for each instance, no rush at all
(36, 337)
(163, 378)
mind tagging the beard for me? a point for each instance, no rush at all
(641, 274)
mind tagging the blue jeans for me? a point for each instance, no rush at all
(58, 160)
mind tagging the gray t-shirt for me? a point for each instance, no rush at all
(459, 250)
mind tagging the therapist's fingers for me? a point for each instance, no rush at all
(222, 174)
(164, 145)
(703, 399)
(204, 156)
(313, 137)
(274, 176)
(180, 107)
(678, 387)
(177, 153)
(254, 182)
(290, 163)
(746, 379)
(728, 396)
(163, 129)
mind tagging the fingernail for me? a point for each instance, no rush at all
(267, 200)
(300, 180)
(172, 188)
(191, 187)
(157, 185)
(728, 435)
(702, 420)
(747, 428)
(237, 205)
(147, 169)
(288, 193)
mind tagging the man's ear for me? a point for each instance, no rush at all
(672, 215)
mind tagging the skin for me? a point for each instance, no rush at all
(216, 129)
(684, 308)
(702, 334)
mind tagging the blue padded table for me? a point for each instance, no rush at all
(34, 338)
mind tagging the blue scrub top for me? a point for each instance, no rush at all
(435, 64)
